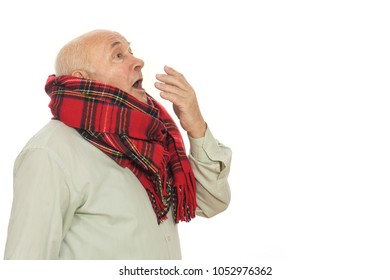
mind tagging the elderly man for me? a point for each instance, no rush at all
(108, 177)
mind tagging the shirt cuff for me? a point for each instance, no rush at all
(204, 149)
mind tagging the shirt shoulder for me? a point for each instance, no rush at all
(65, 143)
(83, 163)
(55, 135)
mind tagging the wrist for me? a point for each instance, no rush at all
(198, 131)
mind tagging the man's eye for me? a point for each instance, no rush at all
(119, 55)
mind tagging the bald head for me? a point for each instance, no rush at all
(103, 56)
(76, 55)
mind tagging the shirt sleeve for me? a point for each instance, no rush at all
(41, 198)
(210, 161)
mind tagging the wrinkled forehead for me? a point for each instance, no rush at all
(106, 40)
(114, 39)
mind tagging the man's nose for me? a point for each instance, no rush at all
(138, 64)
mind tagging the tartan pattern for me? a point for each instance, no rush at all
(139, 136)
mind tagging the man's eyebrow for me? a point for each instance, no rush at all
(116, 43)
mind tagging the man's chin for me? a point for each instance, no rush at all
(139, 94)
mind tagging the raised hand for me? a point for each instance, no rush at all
(175, 88)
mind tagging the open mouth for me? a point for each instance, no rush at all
(138, 84)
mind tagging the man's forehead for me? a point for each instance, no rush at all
(119, 43)
(111, 40)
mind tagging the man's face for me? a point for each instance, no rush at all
(114, 64)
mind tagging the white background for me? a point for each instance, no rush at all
(298, 89)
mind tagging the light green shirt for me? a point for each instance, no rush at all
(71, 201)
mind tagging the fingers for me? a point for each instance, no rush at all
(175, 88)
(173, 72)
(168, 88)
(173, 78)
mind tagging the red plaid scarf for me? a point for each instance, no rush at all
(142, 137)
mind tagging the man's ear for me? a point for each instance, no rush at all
(80, 74)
